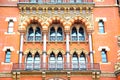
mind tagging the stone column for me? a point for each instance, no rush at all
(67, 47)
(90, 47)
(44, 49)
(21, 47)
(67, 50)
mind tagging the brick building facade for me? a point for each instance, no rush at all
(59, 40)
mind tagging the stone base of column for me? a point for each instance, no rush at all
(20, 56)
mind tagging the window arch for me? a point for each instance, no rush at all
(34, 33)
(29, 61)
(81, 34)
(104, 55)
(82, 61)
(75, 61)
(101, 26)
(37, 61)
(52, 61)
(74, 34)
(56, 33)
(59, 61)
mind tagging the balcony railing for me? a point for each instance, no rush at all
(56, 1)
(55, 66)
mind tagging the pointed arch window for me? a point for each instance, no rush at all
(101, 26)
(104, 55)
(81, 34)
(37, 61)
(34, 34)
(52, 34)
(56, 33)
(78, 33)
(38, 35)
(29, 61)
(75, 61)
(82, 61)
(74, 34)
(59, 34)
(52, 61)
(59, 61)
(30, 34)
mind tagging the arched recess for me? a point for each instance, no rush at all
(33, 51)
(83, 21)
(27, 21)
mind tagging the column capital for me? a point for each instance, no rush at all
(22, 29)
(67, 52)
(44, 52)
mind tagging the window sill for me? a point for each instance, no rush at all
(79, 41)
(4, 63)
(102, 33)
(56, 41)
(105, 63)
(9, 33)
(33, 41)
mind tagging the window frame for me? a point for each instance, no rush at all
(34, 30)
(101, 28)
(104, 58)
(10, 27)
(56, 31)
(78, 26)
(7, 56)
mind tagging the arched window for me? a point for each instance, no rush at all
(38, 36)
(59, 34)
(82, 61)
(52, 34)
(37, 61)
(75, 61)
(34, 33)
(74, 34)
(10, 26)
(101, 26)
(52, 61)
(59, 61)
(56, 33)
(81, 34)
(30, 34)
(104, 55)
(29, 61)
